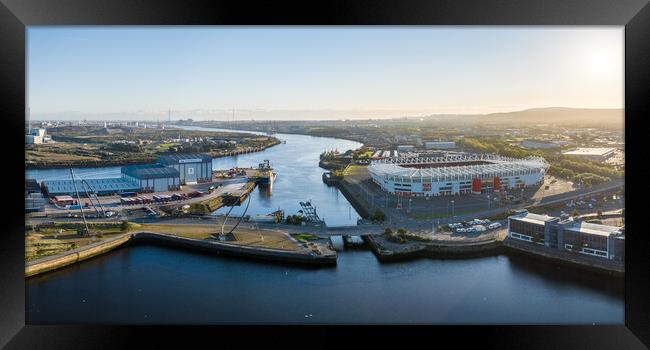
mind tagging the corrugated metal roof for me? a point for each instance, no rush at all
(150, 171)
(175, 158)
(115, 184)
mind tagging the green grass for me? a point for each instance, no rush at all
(165, 146)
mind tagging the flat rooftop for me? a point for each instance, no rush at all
(150, 171)
(593, 151)
(533, 218)
(593, 229)
(114, 184)
(184, 158)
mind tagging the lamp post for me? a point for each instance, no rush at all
(452, 208)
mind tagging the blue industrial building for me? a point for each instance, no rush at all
(193, 168)
(104, 186)
(168, 174)
(152, 177)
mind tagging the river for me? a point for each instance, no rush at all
(148, 284)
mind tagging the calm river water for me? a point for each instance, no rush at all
(159, 285)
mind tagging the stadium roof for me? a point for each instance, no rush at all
(186, 157)
(150, 171)
(494, 166)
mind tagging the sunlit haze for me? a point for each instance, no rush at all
(319, 72)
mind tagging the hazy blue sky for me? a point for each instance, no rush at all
(320, 72)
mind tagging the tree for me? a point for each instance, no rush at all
(575, 213)
(378, 216)
(388, 231)
(402, 232)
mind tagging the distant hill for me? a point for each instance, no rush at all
(559, 115)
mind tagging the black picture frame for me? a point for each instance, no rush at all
(15, 15)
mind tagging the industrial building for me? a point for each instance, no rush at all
(594, 154)
(440, 145)
(106, 186)
(568, 234)
(34, 200)
(405, 148)
(152, 177)
(456, 174)
(538, 144)
(168, 174)
(36, 136)
(193, 168)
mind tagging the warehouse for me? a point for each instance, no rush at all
(193, 168)
(152, 177)
(440, 145)
(594, 154)
(539, 144)
(456, 174)
(405, 148)
(104, 186)
(573, 235)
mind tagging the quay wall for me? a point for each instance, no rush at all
(343, 186)
(73, 256)
(235, 249)
(50, 263)
(565, 258)
(434, 250)
(495, 247)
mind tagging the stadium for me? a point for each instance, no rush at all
(456, 174)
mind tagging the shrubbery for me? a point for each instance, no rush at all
(293, 220)
(589, 173)
(378, 216)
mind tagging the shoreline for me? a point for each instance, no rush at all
(109, 163)
(285, 132)
(54, 262)
(405, 252)
(491, 248)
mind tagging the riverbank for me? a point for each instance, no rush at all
(564, 258)
(70, 257)
(459, 250)
(318, 255)
(138, 159)
(244, 129)
(433, 249)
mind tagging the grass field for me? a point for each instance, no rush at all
(243, 236)
(39, 245)
(187, 231)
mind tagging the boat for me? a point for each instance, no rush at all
(266, 174)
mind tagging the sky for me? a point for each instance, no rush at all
(319, 72)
